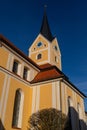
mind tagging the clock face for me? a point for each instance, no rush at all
(39, 44)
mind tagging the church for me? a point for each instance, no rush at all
(35, 82)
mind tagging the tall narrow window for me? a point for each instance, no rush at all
(78, 109)
(56, 59)
(39, 56)
(18, 109)
(25, 73)
(15, 67)
(69, 113)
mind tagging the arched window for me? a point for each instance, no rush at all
(69, 105)
(39, 56)
(69, 112)
(79, 112)
(18, 109)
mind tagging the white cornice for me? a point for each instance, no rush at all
(14, 76)
(48, 81)
(15, 53)
(73, 88)
(40, 50)
(39, 83)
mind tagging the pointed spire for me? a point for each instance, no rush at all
(45, 29)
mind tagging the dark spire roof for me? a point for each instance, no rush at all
(45, 29)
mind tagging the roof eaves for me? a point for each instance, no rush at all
(54, 67)
(7, 42)
(44, 80)
(75, 87)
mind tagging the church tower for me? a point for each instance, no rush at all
(45, 48)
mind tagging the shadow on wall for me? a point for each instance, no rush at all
(73, 121)
(53, 119)
(1, 125)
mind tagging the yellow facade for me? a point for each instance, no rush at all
(3, 53)
(2, 78)
(45, 96)
(51, 92)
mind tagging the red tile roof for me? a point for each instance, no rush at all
(44, 66)
(52, 72)
(47, 74)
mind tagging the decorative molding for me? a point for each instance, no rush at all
(33, 99)
(69, 85)
(5, 97)
(63, 95)
(66, 95)
(14, 76)
(39, 50)
(37, 98)
(53, 95)
(43, 62)
(3, 93)
(58, 94)
(49, 53)
(8, 62)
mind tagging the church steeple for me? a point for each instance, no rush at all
(45, 48)
(45, 29)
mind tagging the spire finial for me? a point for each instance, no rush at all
(45, 6)
(45, 29)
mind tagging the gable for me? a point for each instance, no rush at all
(39, 39)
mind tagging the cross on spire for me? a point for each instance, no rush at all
(45, 6)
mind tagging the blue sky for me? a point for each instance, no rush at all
(20, 22)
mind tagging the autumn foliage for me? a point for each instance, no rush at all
(47, 119)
